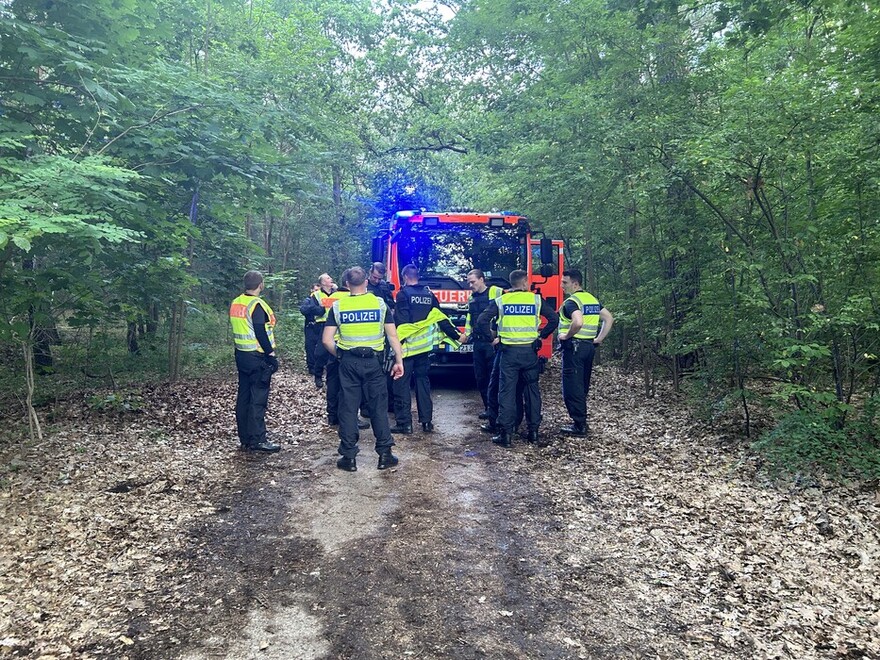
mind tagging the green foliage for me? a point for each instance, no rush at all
(52, 195)
(819, 439)
(713, 170)
(115, 402)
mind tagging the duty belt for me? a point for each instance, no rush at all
(361, 352)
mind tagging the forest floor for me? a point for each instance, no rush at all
(139, 531)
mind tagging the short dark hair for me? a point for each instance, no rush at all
(252, 279)
(356, 276)
(345, 275)
(517, 277)
(476, 272)
(574, 275)
(409, 272)
(379, 267)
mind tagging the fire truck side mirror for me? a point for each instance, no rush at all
(546, 253)
(377, 252)
(547, 270)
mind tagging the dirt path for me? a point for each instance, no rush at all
(143, 533)
(442, 557)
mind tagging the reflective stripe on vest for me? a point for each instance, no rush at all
(360, 321)
(494, 292)
(241, 318)
(324, 301)
(422, 336)
(589, 306)
(519, 316)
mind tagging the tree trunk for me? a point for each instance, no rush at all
(131, 338)
(152, 323)
(175, 339)
(270, 226)
(36, 431)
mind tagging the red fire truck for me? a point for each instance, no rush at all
(445, 246)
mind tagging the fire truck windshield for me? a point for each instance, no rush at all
(449, 252)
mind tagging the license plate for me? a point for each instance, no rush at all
(466, 348)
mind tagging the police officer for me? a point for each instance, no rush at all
(378, 286)
(384, 290)
(415, 303)
(519, 315)
(491, 425)
(322, 302)
(253, 331)
(362, 321)
(330, 362)
(484, 352)
(334, 393)
(579, 334)
(311, 330)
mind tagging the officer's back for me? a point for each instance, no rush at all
(414, 303)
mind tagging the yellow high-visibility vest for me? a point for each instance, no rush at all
(589, 307)
(360, 321)
(494, 292)
(324, 301)
(241, 317)
(421, 336)
(519, 316)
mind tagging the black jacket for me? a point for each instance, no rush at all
(383, 290)
(478, 303)
(310, 309)
(414, 303)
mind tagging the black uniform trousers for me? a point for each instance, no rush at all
(484, 358)
(577, 367)
(334, 391)
(322, 357)
(415, 369)
(312, 333)
(492, 393)
(357, 375)
(518, 363)
(254, 376)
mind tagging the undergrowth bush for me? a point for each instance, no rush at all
(99, 359)
(823, 439)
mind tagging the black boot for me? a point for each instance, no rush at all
(428, 427)
(387, 460)
(266, 446)
(483, 415)
(490, 428)
(405, 429)
(575, 429)
(347, 464)
(502, 439)
(363, 424)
